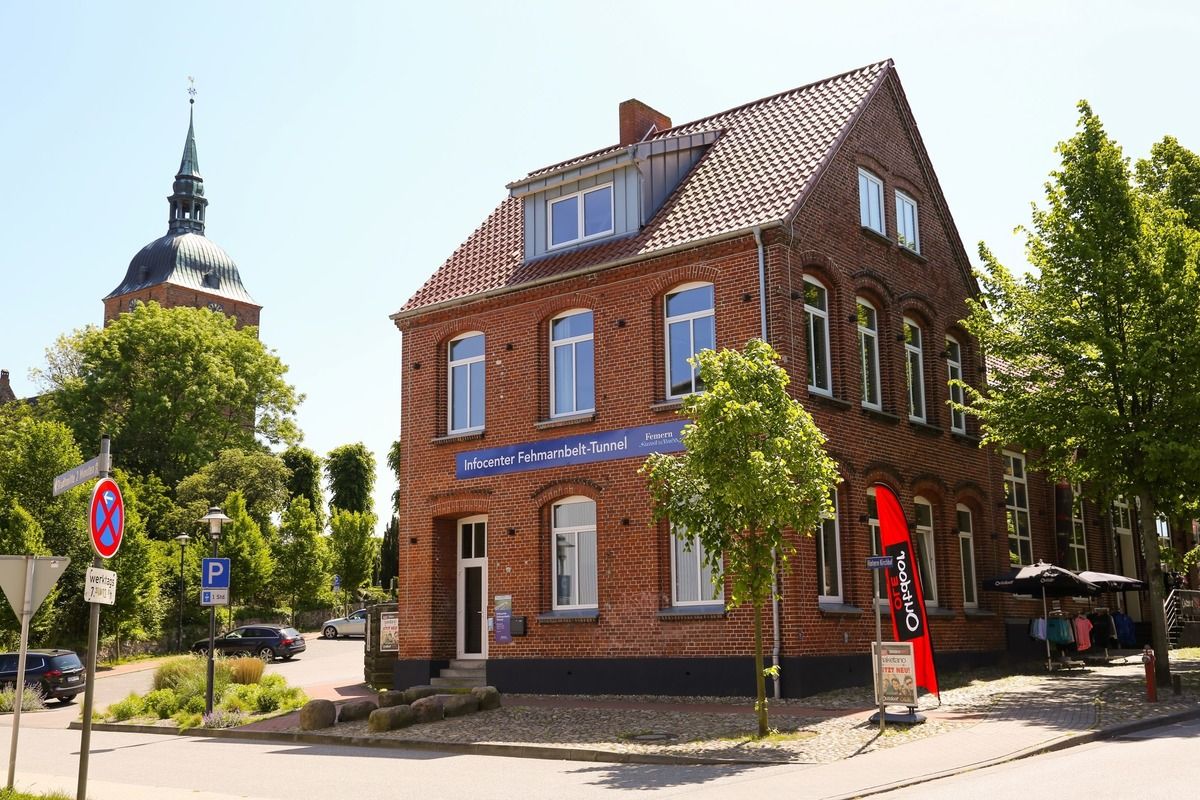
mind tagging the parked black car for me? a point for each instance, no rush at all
(268, 642)
(57, 673)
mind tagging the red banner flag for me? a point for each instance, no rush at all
(909, 623)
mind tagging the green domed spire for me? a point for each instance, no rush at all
(187, 200)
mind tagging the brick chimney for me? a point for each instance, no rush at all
(6, 392)
(637, 119)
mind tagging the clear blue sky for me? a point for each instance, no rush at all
(347, 148)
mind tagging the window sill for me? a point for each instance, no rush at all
(562, 422)
(880, 415)
(913, 254)
(926, 428)
(707, 611)
(937, 612)
(829, 400)
(978, 613)
(664, 406)
(966, 438)
(830, 609)
(572, 615)
(877, 236)
(452, 438)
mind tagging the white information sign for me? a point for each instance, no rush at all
(100, 586)
(214, 597)
(899, 677)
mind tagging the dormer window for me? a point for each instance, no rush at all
(582, 215)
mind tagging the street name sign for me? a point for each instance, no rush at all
(77, 475)
(879, 562)
(100, 586)
(106, 518)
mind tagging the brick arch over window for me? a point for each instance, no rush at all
(931, 487)
(693, 273)
(460, 503)
(970, 494)
(552, 307)
(883, 472)
(918, 307)
(868, 280)
(550, 493)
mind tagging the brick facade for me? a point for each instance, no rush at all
(169, 295)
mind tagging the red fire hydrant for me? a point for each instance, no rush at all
(1151, 688)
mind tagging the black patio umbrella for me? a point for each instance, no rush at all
(1042, 579)
(1113, 583)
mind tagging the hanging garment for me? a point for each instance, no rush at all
(1083, 633)
(1037, 628)
(1126, 634)
(1058, 631)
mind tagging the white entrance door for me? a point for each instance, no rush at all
(472, 587)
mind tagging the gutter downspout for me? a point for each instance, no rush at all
(775, 624)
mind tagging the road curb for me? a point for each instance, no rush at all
(453, 748)
(1061, 743)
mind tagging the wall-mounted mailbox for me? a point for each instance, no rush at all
(518, 626)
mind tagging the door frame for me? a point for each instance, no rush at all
(461, 590)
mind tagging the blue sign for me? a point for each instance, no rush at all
(879, 562)
(337, 582)
(584, 448)
(214, 573)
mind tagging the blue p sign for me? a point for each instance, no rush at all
(214, 573)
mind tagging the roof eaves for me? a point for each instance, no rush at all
(565, 166)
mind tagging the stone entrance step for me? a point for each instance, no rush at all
(463, 673)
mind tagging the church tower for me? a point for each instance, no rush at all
(184, 268)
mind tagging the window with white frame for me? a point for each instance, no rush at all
(1122, 519)
(572, 375)
(573, 553)
(914, 367)
(466, 390)
(691, 576)
(906, 223)
(689, 329)
(868, 353)
(958, 420)
(1163, 528)
(580, 216)
(876, 541)
(816, 312)
(870, 201)
(1077, 558)
(1016, 502)
(966, 554)
(923, 543)
(829, 557)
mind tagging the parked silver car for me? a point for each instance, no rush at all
(353, 625)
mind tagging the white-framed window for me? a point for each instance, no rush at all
(876, 542)
(923, 543)
(579, 216)
(906, 222)
(870, 201)
(1163, 528)
(966, 554)
(573, 553)
(914, 367)
(829, 557)
(689, 329)
(465, 373)
(1077, 557)
(868, 353)
(1016, 501)
(692, 581)
(816, 312)
(958, 420)
(1122, 519)
(572, 372)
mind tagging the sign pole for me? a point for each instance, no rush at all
(89, 695)
(879, 655)
(212, 634)
(19, 694)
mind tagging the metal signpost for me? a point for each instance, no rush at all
(214, 591)
(26, 581)
(877, 563)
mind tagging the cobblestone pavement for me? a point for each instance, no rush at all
(818, 729)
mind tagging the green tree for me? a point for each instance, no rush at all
(173, 387)
(137, 614)
(351, 473)
(754, 467)
(300, 556)
(389, 554)
(1172, 175)
(306, 478)
(260, 478)
(20, 534)
(1099, 347)
(243, 543)
(393, 461)
(352, 547)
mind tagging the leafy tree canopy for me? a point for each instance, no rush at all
(351, 473)
(242, 542)
(305, 480)
(352, 547)
(301, 557)
(259, 477)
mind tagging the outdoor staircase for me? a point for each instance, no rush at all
(462, 674)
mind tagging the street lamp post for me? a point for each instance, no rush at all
(183, 540)
(216, 519)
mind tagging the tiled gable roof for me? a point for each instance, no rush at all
(769, 154)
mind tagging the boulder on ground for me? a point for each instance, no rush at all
(414, 693)
(392, 697)
(317, 714)
(356, 710)
(459, 705)
(391, 718)
(488, 696)
(428, 709)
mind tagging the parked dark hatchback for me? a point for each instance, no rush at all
(268, 642)
(57, 673)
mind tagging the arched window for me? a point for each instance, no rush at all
(829, 557)
(689, 329)
(465, 374)
(1016, 501)
(692, 578)
(966, 552)
(1078, 558)
(914, 365)
(816, 311)
(572, 372)
(868, 354)
(573, 553)
(923, 543)
(958, 420)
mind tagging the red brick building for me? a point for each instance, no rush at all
(547, 355)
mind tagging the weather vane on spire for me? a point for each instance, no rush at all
(191, 89)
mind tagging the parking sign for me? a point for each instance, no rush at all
(214, 582)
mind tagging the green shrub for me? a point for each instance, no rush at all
(273, 681)
(169, 673)
(220, 718)
(188, 719)
(267, 701)
(292, 698)
(240, 697)
(132, 706)
(31, 700)
(246, 670)
(161, 703)
(195, 704)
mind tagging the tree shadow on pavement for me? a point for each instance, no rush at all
(663, 776)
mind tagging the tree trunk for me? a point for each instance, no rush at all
(1154, 575)
(760, 681)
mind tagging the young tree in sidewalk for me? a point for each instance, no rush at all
(351, 473)
(352, 547)
(754, 468)
(301, 560)
(1099, 347)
